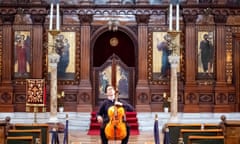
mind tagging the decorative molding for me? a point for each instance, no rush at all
(6, 98)
(38, 18)
(157, 98)
(142, 18)
(85, 19)
(206, 98)
(143, 98)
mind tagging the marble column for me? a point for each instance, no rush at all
(53, 59)
(174, 61)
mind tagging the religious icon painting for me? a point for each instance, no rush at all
(105, 78)
(163, 46)
(22, 54)
(65, 46)
(160, 65)
(205, 54)
(122, 81)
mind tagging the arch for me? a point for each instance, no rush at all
(102, 50)
(124, 31)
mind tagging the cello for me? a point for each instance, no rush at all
(116, 128)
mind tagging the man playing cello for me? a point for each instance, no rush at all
(105, 116)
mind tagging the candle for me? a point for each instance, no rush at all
(170, 17)
(164, 95)
(51, 17)
(58, 20)
(62, 94)
(177, 17)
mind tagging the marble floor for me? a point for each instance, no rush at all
(80, 137)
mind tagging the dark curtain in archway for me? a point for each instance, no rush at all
(124, 49)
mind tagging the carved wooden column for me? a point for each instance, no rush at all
(190, 57)
(85, 88)
(142, 88)
(37, 41)
(220, 21)
(6, 63)
(190, 52)
(236, 64)
(222, 77)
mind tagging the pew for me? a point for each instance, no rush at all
(35, 133)
(44, 130)
(20, 140)
(174, 128)
(185, 133)
(231, 130)
(205, 139)
(2, 132)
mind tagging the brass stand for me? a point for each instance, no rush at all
(35, 110)
(173, 41)
(54, 33)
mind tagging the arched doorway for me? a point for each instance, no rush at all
(114, 52)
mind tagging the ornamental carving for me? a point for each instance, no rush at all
(206, 98)
(6, 97)
(157, 98)
(84, 97)
(143, 98)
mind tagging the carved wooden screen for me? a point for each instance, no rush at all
(116, 73)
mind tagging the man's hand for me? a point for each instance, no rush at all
(117, 103)
(100, 119)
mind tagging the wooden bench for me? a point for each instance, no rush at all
(20, 140)
(184, 133)
(174, 129)
(36, 133)
(206, 139)
(44, 130)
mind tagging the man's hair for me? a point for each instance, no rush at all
(108, 85)
(205, 35)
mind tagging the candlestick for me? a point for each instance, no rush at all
(58, 18)
(177, 17)
(51, 17)
(170, 17)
